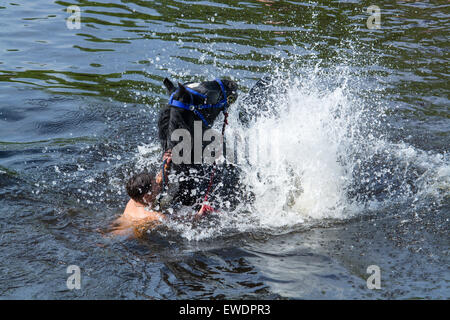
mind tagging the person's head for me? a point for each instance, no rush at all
(139, 188)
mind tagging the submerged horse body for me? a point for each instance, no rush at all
(188, 103)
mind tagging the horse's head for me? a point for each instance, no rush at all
(193, 101)
(199, 96)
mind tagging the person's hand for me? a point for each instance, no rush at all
(159, 177)
(167, 157)
(204, 210)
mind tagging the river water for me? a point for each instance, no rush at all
(361, 175)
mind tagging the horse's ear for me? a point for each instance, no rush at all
(182, 90)
(169, 85)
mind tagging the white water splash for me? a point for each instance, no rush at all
(299, 173)
(310, 157)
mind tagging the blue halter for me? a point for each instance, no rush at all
(195, 108)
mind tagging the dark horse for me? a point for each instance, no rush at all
(186, 105)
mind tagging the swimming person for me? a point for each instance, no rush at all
(143, 190)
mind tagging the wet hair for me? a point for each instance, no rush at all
(139, 185)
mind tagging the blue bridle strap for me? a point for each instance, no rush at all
(195, 108)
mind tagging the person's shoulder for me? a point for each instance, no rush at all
(153, 215)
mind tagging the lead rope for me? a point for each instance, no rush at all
(163, 170)
(164, 174)
(225, 122)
